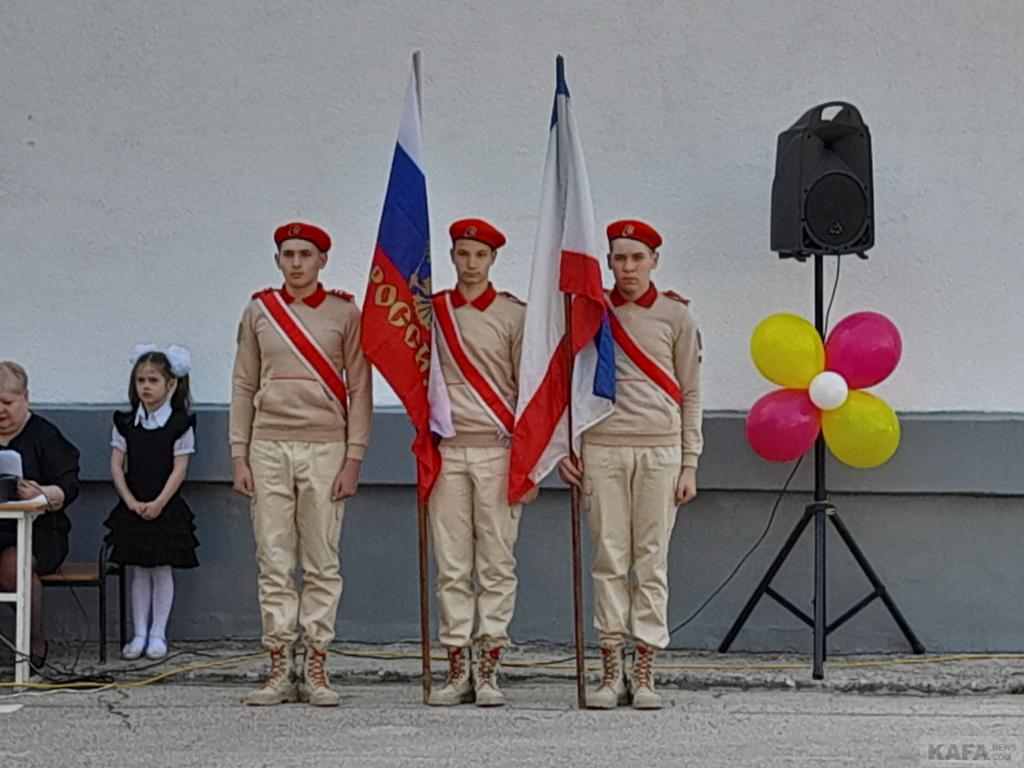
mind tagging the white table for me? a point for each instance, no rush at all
(24, 514)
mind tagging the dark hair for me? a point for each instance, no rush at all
(181, 400)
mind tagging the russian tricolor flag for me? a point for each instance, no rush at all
(565, 262)
(397, 316)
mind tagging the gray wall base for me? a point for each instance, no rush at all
(951, 563)
(941, 523)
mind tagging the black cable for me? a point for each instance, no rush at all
(760, 539)
(835, 285)
(743, 560)
(63, 679)
(778, 499)
(764, 533)
(80, 645)
(105, 678)
(84, 626)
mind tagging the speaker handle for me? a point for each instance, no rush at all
(847, 115)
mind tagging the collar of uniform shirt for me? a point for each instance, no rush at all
(315, 299)
(645, 301)
(154, 420)
(481, 302)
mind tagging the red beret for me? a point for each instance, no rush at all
(476, 229)
(635, 230)
(300, 231)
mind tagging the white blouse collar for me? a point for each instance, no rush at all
(154, 420)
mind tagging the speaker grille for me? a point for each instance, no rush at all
(835, 210)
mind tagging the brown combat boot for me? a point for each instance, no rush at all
(314, 686)
(612, 691)
(488, 694)
(644, 696)
(280, 686)
(458, 687)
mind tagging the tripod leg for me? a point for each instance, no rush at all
(766, 582)
(820, 633)
(876, 582)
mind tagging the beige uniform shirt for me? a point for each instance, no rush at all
(274, 396)
(666, 330)
(491, 327)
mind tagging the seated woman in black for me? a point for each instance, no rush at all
(50, 468)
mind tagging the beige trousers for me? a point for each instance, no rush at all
(629, 498)
(296, 523)
(472, 528)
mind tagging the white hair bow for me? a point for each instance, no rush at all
(179, 357)
(140, 350)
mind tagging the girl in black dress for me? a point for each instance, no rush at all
(152, 529)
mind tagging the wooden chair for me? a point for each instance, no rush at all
(72, 575)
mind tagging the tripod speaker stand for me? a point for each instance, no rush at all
(821, 511)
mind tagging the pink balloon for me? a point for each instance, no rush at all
(783, 425)
(863, 348)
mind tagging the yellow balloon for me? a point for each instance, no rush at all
(863, 432)
(787, 350)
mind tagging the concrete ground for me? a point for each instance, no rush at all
(229, 662)
(732, 710)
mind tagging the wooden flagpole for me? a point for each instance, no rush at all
(577, 555)
(424, 602)
(421, 516)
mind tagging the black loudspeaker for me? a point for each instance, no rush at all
(822, 198)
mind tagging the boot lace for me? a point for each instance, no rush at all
(610, 663)
(456, 660)
(315, 672)
(643, 667)
(278, 667)
(488, 663)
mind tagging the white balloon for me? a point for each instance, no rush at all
(828, 390)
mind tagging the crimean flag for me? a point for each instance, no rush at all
(397, 317)
(565, 262)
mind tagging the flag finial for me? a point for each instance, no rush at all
(560, 85)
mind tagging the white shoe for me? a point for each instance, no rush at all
(134, 649)
(156, 648)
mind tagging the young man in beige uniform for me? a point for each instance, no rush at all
(639, 464)
(479, 338)
(300, 419)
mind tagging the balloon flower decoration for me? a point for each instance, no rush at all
(822, 389)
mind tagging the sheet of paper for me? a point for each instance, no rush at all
(40, 499)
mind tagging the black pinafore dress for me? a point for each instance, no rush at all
(170, 539)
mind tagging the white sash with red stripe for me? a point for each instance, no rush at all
(302, 343)
(663, 379)
(484, 391)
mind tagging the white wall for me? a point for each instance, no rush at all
(148, 150)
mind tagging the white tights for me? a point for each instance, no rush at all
(151, 587)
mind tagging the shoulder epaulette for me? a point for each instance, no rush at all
(340, 294)
(675, 296)
(512, 296)
(261, 293)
